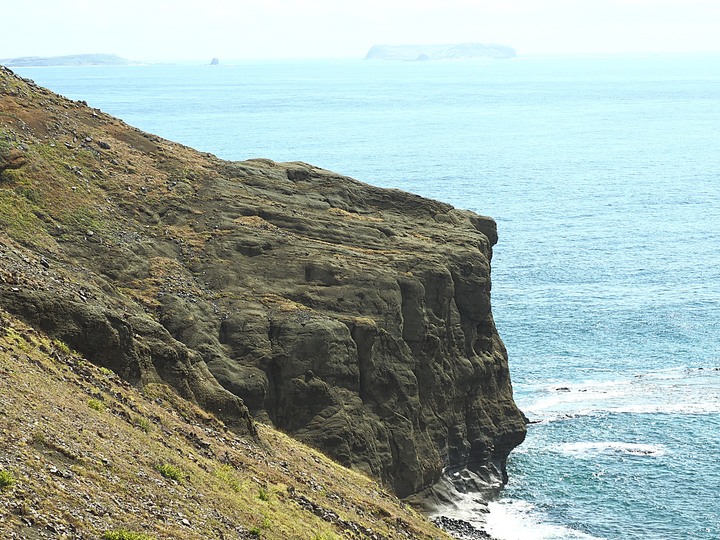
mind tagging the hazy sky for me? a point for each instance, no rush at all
(154, 30)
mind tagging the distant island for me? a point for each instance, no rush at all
(68, 60)
(462, 51)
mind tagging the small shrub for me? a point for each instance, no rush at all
(227, 474)
(38, 438)
(61, 346)
(5, 145)
(107, 372)
(96, 404)
(21, 341)
(143, 423)
(7, 479)
(255, 531)
(122, 534)
(171, 472)
(263, 494)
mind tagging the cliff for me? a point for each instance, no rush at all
(461, 51)
(85, 456)
(354, 318)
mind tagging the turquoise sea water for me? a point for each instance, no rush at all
(603, 174)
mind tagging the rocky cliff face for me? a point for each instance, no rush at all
(355, 318)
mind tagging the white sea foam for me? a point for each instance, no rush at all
(520, 520)
(710, 407)
(612, 447)
(692, 391)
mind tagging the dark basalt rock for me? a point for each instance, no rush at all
(355, 318)
(460, 529)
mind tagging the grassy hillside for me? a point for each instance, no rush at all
(83, 455)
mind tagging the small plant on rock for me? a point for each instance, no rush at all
(227, 474)
(38, 438)
(122, 534)
(61, 346)
(96, 404)
(7, 479)
(143, 423)
(171, 472)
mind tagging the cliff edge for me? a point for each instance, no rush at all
(356, 319)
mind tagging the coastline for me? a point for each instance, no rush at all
(459, 502)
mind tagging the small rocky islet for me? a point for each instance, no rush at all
(353, 318)
(449, 52)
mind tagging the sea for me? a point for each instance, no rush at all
(603, 174)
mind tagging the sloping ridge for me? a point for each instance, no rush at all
(356, 319)
(83, 455)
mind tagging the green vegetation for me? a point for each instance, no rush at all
(171, 472)
(83, 221)
(54, 191)
(7, 479)
(263, 494)
(96, 404)
(18, 218)
(5, 148)
(122, 534)
(61, 346)
(143, 423)
(227, 474)
(5, 144)
(18, 339)
(38, 438)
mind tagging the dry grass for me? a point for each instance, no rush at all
(85, 451)
(255, 222)
(156, 465)
(354, 216)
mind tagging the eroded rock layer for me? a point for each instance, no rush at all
(355, 318)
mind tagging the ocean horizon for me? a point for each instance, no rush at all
(602, 172)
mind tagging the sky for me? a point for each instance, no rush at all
(173, 30)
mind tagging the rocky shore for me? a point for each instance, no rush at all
(461, 529)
